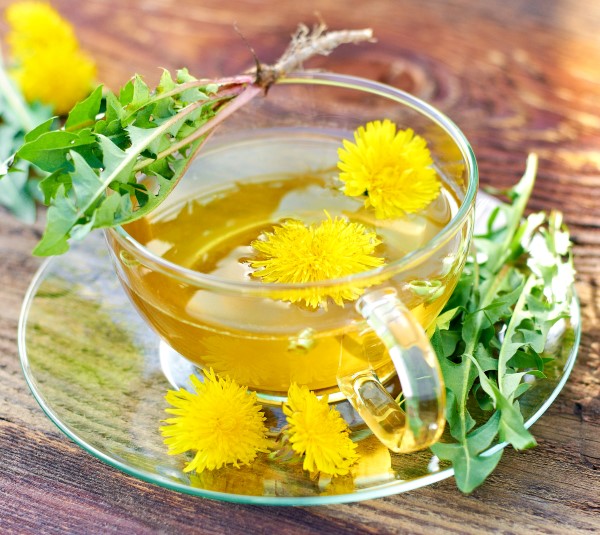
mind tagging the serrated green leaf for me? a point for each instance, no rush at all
(107, 212)
(114, 108)
(484, 357)
(60, 219)
(84, 113)
(470, 467)
(192, 95)
(118, 164)
(459, 378)
(443, 320)
(141, 94)
(126, 93)
(512, 381)
(482, 437)
(50, 184)
(40, 129)
(183, 76)
(49, 150)
(86, 183)
(166, 82)
(520, 194)
(512, 428)
(510, 346)
(526, 360)
(80, 231)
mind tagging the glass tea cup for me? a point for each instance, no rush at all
(186, 266)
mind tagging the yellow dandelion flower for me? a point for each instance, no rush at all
(222, 422)
(35, 26)
(318, 432)
(333, 248)
(60, 78)
(49, 67)
(393, 168)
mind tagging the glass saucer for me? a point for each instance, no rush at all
(95, 368)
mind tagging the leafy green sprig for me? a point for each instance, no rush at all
(118, 156)
(492, 333)
(108, 167)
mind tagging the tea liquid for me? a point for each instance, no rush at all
(231, 195)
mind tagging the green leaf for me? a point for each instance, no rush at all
(84, 113)
(443, 320)
(118, 164)
(512, 428)
(526, 360)
(87, 185)
(485, 358)
(114, 109)
(470, 467)
(503, 249)
(49, 150)
(512, 381)
(166, 83)
(108, 211)
(40, 129)
(50, 184)
(126, 93)
(510, 346)
(60, 219)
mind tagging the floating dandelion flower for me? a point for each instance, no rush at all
(331, 249)
(222, 422)
(393, 168)
(318, 433)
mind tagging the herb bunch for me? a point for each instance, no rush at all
(118, 156)
(108, 167)
(491, 336)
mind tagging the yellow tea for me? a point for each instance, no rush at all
(236, 192)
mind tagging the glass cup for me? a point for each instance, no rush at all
(249, 329)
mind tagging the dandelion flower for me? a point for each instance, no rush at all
(319, 433)
(393, 168)
(222, 422)
(56, 77)
(49, 66)
(333, 248)
(36, 26)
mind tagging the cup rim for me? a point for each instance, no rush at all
(197, 278)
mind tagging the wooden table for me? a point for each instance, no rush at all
(517, 76)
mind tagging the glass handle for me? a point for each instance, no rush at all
(421, 420)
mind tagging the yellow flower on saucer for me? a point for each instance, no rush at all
(330, 249)
(222, 422)
(49, 66)
(318, 433)
(392, 168)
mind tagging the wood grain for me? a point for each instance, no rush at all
(517, 76)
